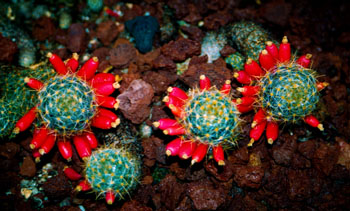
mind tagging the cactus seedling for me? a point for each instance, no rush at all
(110, 171)
(206, 119)
(69, 103)
(284, 88)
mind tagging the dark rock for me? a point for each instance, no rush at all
(223, 173)
(248, 176)
(216, 20)
(193, 17)
(276, 12)
(122, 55)
(307, 148)
(101, 53)
(300, 186)
(181, 49)
(28, 168)
(43, 29)
(7, 50)
(57, 187)
(135, 101)
(227, 50)
(128, 78)
(145, 61)
(107, 31)
(300, 162)
(154, 149)
(325, 158)
(165, 63)
(180, 7)
(283, 150)
(134, 205)
(76, 41)
(205, 196)
(9, 150)
(170, 191)
(158, 81)
(193, 32)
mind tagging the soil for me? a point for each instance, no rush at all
(303, 170)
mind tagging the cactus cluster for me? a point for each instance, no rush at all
(112, 172)
(67, 104)
(248, 37)
(16, 97)
(283, 89)
(235, 60)
(206, 119)
(289, 93)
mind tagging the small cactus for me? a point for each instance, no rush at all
(212, 44)
(69, 104)
(112, 172)
(283, 88)
(206, 119)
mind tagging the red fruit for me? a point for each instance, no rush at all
(253, 69)
(33, 83)
(57, 63)
(106, 88)
(83, 186)
(218, 154)
(313, 122)
(173, 100)
(48, 144)
(321, 85)
(172, 148)
(305, 60)
(266, 60)
(204, 82)
(246, 101)
(88, 70)
(71, 173)
(107, 113)
(102, 78)
(259, 117)
(244, 108)
(256, 132)
(65, 148)
(176, 111)
(111, 12)
(39, 136)
(110, 197)
(226, 88)
(83, 148)
(165, 123)
(73, 64)
(199, 153)
(175, 130)
(242, 77)
(177, 92)
(187, 148)
(107, 101)
(91, 139)
(271, 132)
(104, 122)
(24, 122)
(249, 90)
(284, 51)
(272, 49)
(36, 155)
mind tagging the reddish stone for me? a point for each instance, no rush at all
(181, 49)
(107, 31)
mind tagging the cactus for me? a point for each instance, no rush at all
(212, 44)
(283, 89)
(249, 38)
(207, 119)
(95, 5)
(69, 104)
(112, 171)
(16, 97)
(235, 60)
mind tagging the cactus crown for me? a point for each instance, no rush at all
(212, 44)
(67, 103)
(113, 169)
(211, 117)
(289, 93)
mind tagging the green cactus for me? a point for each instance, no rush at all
(113, 169)
(249, 38)
(290, 92)
(211, 117)
(16, 97)
(236, 61)
(67, 103)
